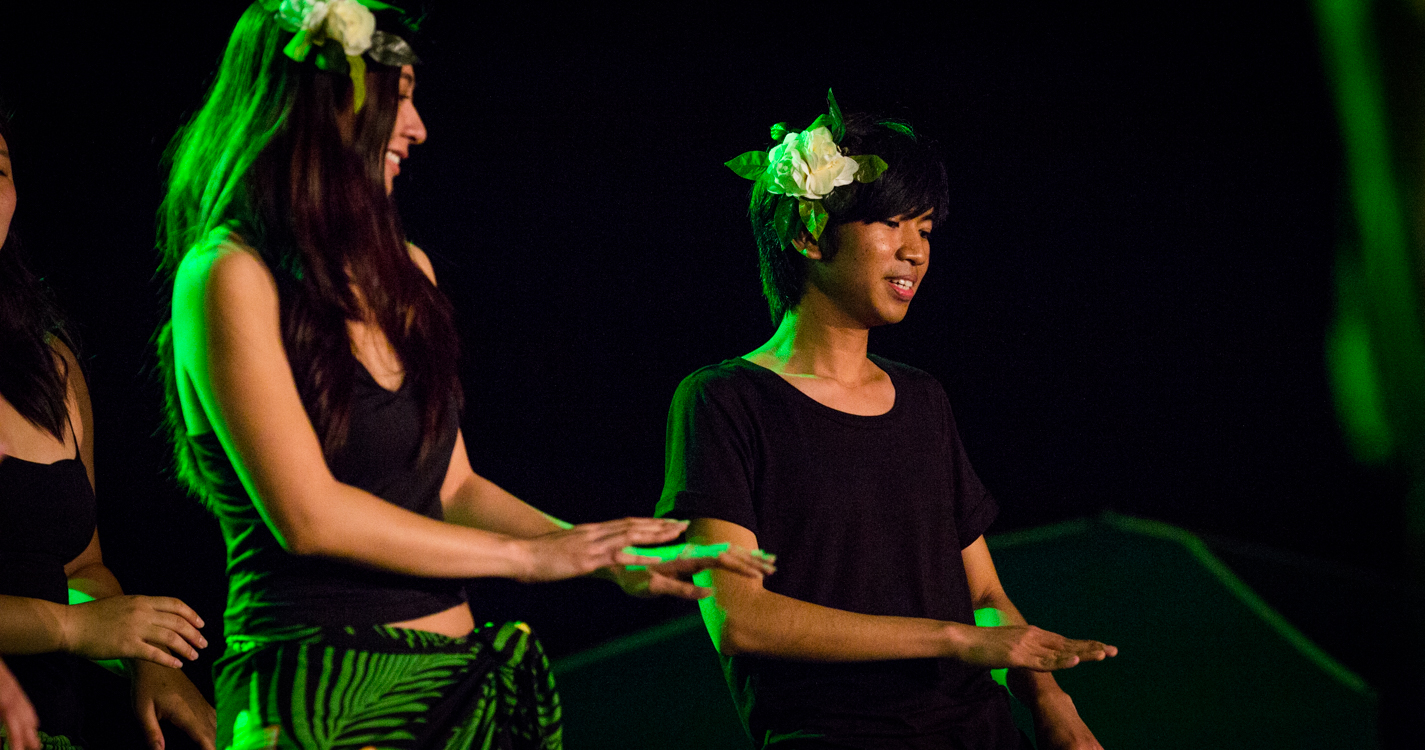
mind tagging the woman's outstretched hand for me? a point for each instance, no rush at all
(1026, 647)
(156, 628)
(17, 716)
(585, 548)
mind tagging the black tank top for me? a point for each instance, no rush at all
(47, 518)
(271, 591)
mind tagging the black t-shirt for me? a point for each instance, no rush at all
(866, 514)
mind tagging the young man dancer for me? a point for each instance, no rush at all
(850, 468)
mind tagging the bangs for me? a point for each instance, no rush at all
(913, 183)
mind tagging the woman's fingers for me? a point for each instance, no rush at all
(183, 627)
(17, 716)
(621, 556)
(177, 607)
(172, 642)
(156, 655)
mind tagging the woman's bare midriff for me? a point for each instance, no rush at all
(454, 622)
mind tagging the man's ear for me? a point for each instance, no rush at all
(805, 245)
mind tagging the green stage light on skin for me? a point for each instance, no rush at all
(677, 552)
(989, 617)
(116, 666)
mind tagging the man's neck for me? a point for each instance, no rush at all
(818, 341)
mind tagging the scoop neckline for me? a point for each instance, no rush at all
(837, 414)
(405, 379)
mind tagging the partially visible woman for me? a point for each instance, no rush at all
(49, 544)
(314, 402)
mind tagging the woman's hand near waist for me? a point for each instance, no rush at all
(157, 628)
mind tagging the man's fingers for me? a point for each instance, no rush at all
(675, 587)
(1095, 651)
(742, 561)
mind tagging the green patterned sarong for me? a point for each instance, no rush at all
(389, 689)
(47, 742)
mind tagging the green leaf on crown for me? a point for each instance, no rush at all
(750, 165)
(784, 221)
(836, 124)
(356, 67)
(814, 217)
(331, 57)
(870, 168)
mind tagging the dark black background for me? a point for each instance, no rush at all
(1127, 303)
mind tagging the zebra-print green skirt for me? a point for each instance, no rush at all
(389, 689)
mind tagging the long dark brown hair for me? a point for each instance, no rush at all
(276, 158)
(32, 378)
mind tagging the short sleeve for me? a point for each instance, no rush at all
(975, 507)
(708, 458)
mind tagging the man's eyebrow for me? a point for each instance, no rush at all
(4, 153)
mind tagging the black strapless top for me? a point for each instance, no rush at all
(271, 591)
(47, 518)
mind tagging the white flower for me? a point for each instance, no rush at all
(351, 24)
(306, 15)
(809, 165)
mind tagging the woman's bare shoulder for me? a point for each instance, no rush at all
(421, 260)
(226, 267)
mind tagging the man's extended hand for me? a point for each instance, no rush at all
(1026, 647)
(671, 577)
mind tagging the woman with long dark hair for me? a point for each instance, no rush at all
(314, 403)
(49, 544)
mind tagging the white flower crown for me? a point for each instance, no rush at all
(805, 168)
(341, 31)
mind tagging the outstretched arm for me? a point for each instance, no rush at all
(1056, 720)
(745, 618)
